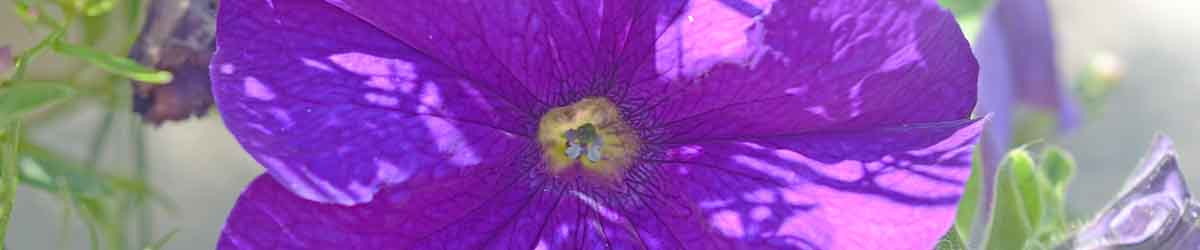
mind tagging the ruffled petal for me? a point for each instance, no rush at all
(557, 50)
(1153, 210)
(803, 66)
(893, 188)
(336, 109)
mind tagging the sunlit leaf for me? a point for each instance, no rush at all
(98, 7)
(965, 7)
(1010, 222)
(21, 98)
(114, 64)
(8, 175)
(968, 13)
(951, 241)
(1030, 185)
(967, 205)
(1059, 167)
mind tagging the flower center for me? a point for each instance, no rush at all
(587, 133)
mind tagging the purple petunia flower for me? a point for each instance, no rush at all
(1153, 210)
(1016, 54)
(622, 124)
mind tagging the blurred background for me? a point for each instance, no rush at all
(199, 166)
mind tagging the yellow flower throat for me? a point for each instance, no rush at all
(589, 132)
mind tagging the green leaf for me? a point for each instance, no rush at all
(8, 175)
(21, 98)
(951, 241)
(967, 205)
(965, 7)
(158, 245)
(1011, 226)
(1030, 185)
(98, 7)
(96, 197)
(968, 13)
(38, 162)
(1059, 167)
(114, 64)
(134, 10)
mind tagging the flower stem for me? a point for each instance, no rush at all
(145, 223)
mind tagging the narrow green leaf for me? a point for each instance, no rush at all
(85, 182)
(114, 64)
(22, 98)
(158, 245)
(1010, 225)
(8, 175)
(951, 241)
(1029, 184)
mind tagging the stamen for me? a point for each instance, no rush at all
(591, 128)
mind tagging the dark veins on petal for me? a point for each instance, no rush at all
(817, 119)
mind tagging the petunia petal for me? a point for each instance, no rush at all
(893, 188)
(557, 50)
(337, 109)
(802, 66)
(1023, 40)
(1016, 49)
(1153, 210)
(1017, 57)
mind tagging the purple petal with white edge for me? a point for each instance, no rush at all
(805, 66)
(888, 188)
(1150, 212)
(556, 49)
(337, 109)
